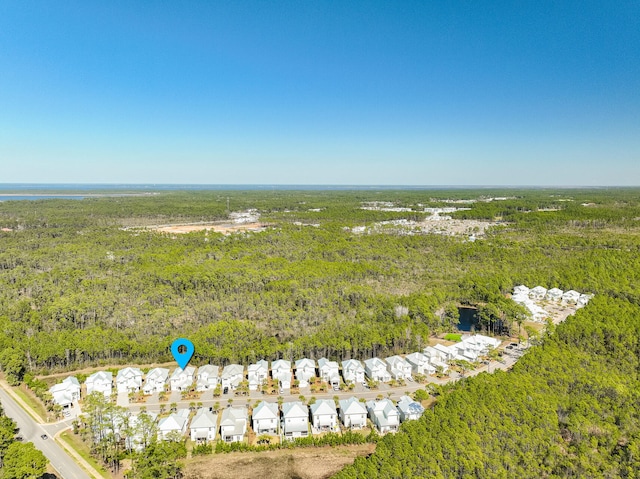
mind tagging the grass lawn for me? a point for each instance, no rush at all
(33, 402)
(83, 450)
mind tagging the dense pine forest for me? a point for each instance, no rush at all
(82, 282)
(569, 408)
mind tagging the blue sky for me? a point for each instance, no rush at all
(301, 92)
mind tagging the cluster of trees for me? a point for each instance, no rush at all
(112, 434)
(18, 460)
(76, 289)
(567, 409)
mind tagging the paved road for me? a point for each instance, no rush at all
(31, 431)
(207, 399)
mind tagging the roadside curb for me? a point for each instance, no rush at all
(23, 405)
(77, 457)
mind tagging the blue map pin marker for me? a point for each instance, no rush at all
(182, 358)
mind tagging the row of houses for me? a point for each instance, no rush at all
(294, 420)
(540, 293)
(431, 360)
(529, 298)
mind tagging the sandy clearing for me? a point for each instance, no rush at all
(224, 228)
(301, 463)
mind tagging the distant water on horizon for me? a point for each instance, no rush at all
(6, 188)
(40, 197)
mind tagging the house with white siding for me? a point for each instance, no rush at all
(538, 293)
(471, 348)
(329, 371)
(409, 409)
(207, 378)
(204, 426)
(324, 415)
(232, 375)
(257, 374)
(554, 294)
(437, 358)
(265, 418)
(295, 420)
(398, 367)
(570, 297)
(521, 290)
(129, 380)
(156, 380)
(384, 415)
(305, 370)
(233, 424)
(281, 372)
(420, 364)
(101, 382)
(376, 369)
(176, 423)
(182, 379)
(66, 393)
(353, 413)
(352, 371)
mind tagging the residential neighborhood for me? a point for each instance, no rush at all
(289, 419)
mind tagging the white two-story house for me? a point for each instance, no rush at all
(352, 371)
(281, 372)
(233, 424)
(295, 420)
(353, 413)
(207, 378)
(204, 426)
(156, 380)
(182, 379)
(305, 370)
(384, 415)
(129, 380)
(376, 369)
(257, 374)
(420, 364)
(324, 416)
(265, 418)
(232, 375)
(101, 382)
(66, 393)
(398, 367)
(329, 371)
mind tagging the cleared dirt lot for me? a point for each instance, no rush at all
(224, 228)
(301, 463)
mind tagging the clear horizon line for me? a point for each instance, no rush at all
(341, 185)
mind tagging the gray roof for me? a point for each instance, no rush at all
(295, 409)
(409, 406)
(233, 370)
(236, 418)
(204, 419)
(209, 370)
(265, 410)
(352, 406)
(323, 406)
